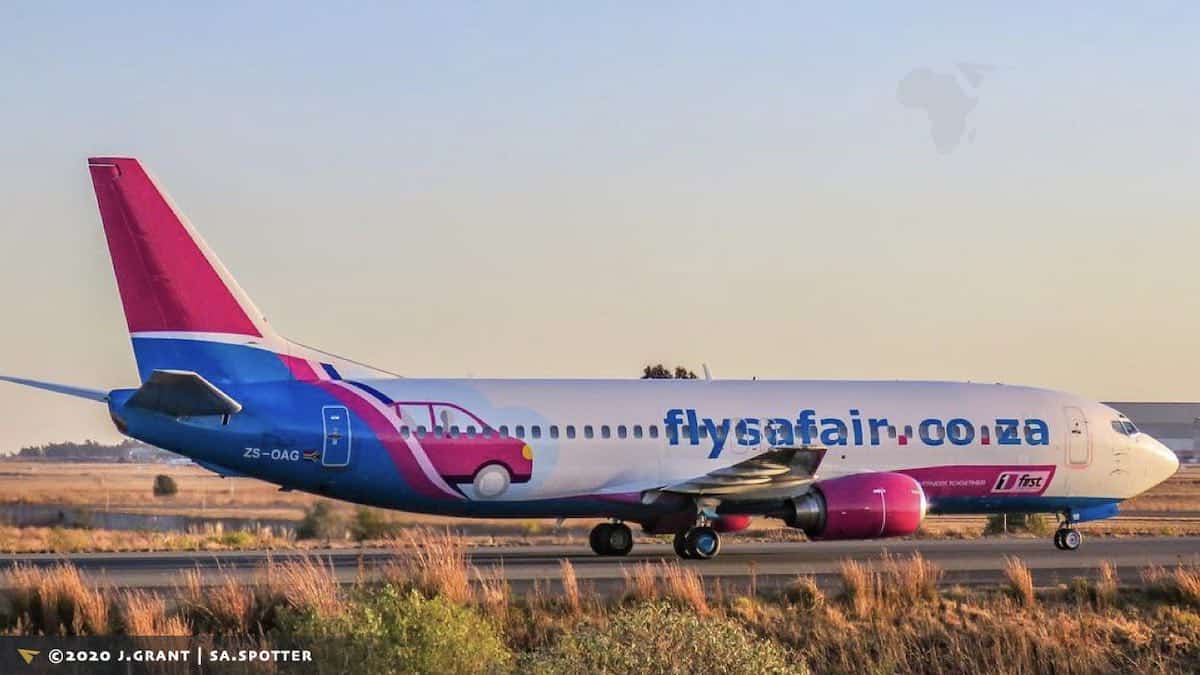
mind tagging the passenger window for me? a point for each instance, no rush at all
(553, 431)
(454, 432)
(504, 430)
(587, 431)
(519, 430)
(570, 431)
(404, 432)
(653, 431)
(535, 431)
(622, 431)
(438, 430)
(471, 431)
(637, 431)
(421, 431)
(605, 432)
(703, 432)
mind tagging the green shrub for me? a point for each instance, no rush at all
(371, 523)
(389, 630)
(1037, 524)
(164, 486)
(659, 638)
(320, 522)
(238, 539)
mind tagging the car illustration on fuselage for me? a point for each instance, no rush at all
(466, 450)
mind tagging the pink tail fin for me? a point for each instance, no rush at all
(169, 280)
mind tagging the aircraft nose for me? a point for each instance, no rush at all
(1160, 462)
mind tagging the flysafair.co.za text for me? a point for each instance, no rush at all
(685, 425)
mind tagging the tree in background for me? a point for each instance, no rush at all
(659, 372)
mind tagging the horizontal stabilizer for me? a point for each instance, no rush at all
(80, 392)
(182, 393)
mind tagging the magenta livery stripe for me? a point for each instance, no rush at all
(397, 449)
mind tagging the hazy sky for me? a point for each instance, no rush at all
(510, 189)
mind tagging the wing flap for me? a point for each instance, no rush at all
(774, 472)
(182, 393)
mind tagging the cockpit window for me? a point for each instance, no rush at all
(1124, 427)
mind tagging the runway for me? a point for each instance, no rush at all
(967, 562)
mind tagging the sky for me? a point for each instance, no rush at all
(511, 189)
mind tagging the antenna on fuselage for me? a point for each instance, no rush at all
(707, 373)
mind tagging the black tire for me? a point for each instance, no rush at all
(703, 543)
(681, 549)
(619, 540)
(1058, 540)
(599, 539)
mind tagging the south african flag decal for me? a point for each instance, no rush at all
(312, 455)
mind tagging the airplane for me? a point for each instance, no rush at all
(689, 458)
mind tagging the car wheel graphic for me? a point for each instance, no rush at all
(492, 481)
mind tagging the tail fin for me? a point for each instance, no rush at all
(183, 308)
(169, 279)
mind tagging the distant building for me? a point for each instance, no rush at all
(1177, 425)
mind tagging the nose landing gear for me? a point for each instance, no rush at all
(611, 539)
(1067, 538)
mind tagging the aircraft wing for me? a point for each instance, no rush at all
(774, 473)
(182, 393)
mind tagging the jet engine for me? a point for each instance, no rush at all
(859, 506)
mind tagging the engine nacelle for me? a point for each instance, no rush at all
(861, 506)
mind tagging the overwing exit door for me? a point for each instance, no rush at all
(336, 449)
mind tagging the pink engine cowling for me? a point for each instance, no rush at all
(860, 506)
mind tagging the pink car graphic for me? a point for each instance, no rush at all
(465, 449)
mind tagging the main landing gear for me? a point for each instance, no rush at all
(1067, 538)
(615, 539)
(697, 543)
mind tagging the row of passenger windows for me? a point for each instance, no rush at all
(535, 431)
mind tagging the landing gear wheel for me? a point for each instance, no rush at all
(1058, 540)
(620, 539)
(1071, 539)
(599, 537)
(613, 539)
(681, 549)
(702, 543)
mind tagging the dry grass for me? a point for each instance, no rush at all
(73, 540)
(893, 617)
(911, 579)
(1020, 581)
(860, 587)
(494, 593)
(1181, 584)
(684, 586)
(145, 613)
(433, 562)
(804, 593)
(570, 586)
(56, 600)
(305, 583)
(1107, 586)
(641, 582)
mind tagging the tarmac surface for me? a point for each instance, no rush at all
(966, 562)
